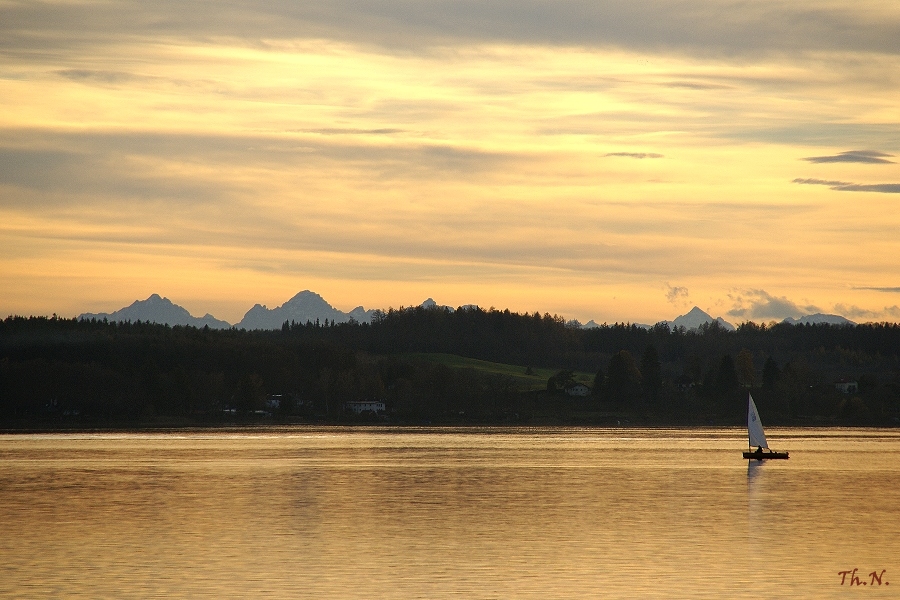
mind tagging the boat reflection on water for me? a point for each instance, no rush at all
(753, 472)
(758, 505)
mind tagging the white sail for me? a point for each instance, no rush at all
(755, 428)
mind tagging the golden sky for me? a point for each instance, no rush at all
(615, 161)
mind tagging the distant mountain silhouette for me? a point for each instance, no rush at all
(305, 306)
(819, 318)
(310, 306)
(431, 304)
(697, 317)
(158, 310)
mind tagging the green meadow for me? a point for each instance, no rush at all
(533, 378)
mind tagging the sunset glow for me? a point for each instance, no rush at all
(610, 163)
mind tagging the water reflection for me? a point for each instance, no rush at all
(497, 513)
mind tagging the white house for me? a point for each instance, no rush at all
(361, 406)
(579, 390)
(276, 401)
(847, 387)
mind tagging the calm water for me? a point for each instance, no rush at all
(488, 513)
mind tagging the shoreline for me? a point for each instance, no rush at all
(88, 428)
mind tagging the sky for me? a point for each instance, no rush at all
(618, 161)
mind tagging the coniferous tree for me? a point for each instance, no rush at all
(726, 378)
(624, 378)
(744, 369)
(770, 375)
(651, 373)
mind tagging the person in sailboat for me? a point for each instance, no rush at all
(759, 449)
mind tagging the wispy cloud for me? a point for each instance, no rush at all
(677, 295)
(846, 186)
(95, 75)
(695, 85)
(635, 154)
(352, 131)
(890, 290)
(820, 133)
(853, 156)
(693, 26)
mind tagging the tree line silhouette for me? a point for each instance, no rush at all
(68, 371)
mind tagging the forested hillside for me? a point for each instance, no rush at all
(61, 372)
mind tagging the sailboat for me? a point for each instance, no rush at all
(757, 436)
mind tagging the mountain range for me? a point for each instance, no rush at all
(819, 318)
(308, 306)
(305, 306)
(158, 310)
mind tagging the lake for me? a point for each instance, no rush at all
(449, 513)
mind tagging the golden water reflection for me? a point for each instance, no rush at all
(467, 513)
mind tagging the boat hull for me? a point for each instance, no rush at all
(765, 455)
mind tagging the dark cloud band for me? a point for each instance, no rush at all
(845, 186)
(853, 156)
